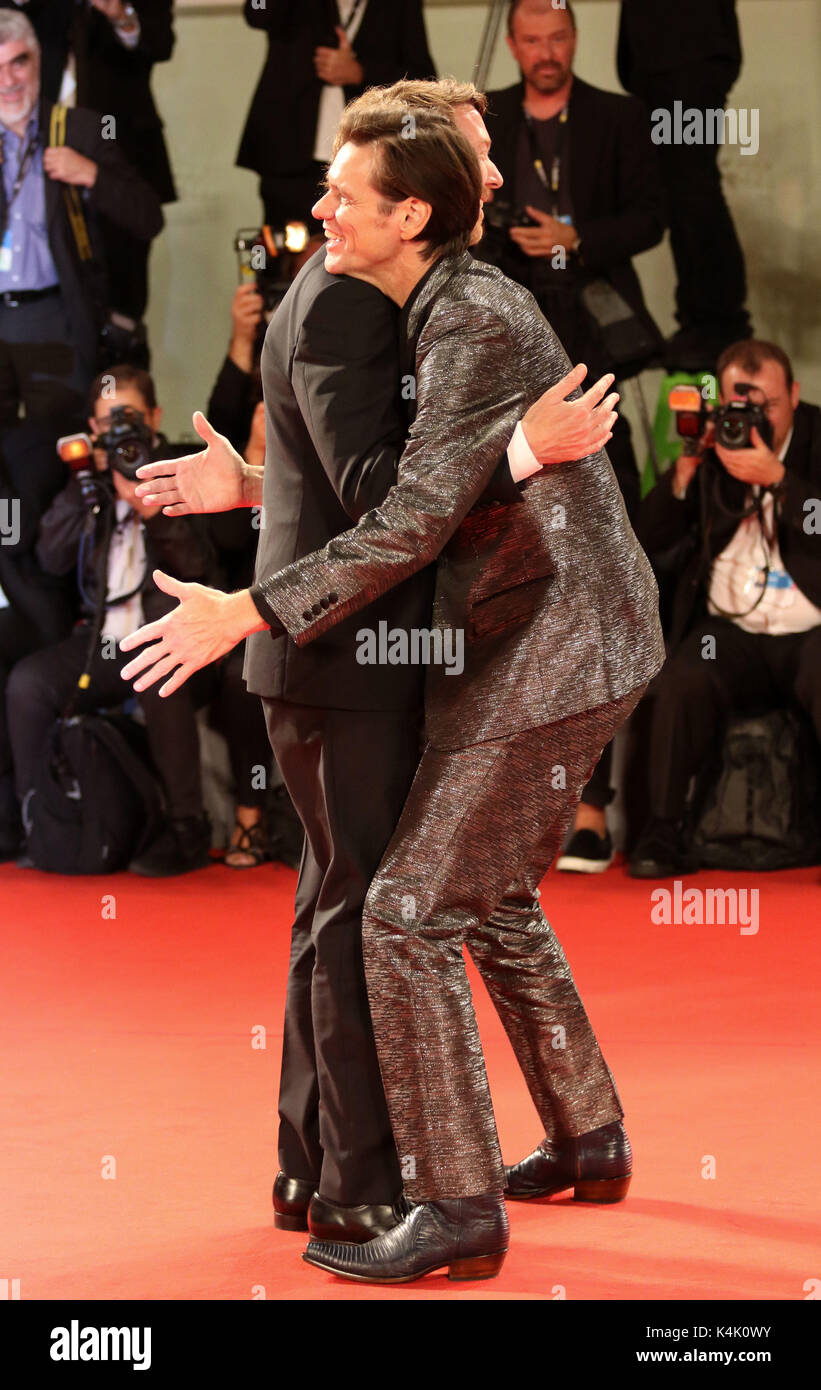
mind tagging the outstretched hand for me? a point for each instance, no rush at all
(203, 627)
(209, 481)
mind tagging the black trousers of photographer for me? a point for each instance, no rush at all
(696, 693)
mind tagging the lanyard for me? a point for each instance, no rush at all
(553, 184)
(22, 168)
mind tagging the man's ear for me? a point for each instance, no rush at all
(415, 218)
(795, 394)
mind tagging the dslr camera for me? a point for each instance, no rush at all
(266, 257)
(733, 423)
(501, 215)
(128, 443)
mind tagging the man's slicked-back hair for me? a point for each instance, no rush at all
(418, 152)
(444, 95)
(558, 6)
(16, 28)
(750, 354)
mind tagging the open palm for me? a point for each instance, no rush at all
(208, 481)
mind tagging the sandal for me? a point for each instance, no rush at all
(251, 842)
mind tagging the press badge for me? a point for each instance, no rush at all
(5, 251)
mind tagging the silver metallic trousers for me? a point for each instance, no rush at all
(479, 830)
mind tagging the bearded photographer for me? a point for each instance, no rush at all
(749, 518)
(72, 539)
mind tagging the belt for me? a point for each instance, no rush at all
(12, 299)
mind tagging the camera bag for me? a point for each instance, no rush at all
(758, 806)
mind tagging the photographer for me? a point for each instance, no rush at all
(746, 621)
(321, 54)
(57, 177)
(71, 537)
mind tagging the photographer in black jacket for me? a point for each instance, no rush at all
(745, 526)
(71, 539)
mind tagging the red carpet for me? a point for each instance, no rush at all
(127, 1047)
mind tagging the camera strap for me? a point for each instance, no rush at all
(752, 509)
(74, 207)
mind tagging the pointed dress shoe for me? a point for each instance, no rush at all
(597, 1165)
(468, 1235)
(352, 1225)
(291, 1197)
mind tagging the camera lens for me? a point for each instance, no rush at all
(733, 434)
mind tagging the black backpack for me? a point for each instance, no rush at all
(758, 808)
(94, 804)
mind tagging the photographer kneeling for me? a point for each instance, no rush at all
(72, 535)
(746, 619)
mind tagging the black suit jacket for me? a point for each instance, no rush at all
(614, 183)
(110, 77)
(121, 195)
(281, 127)
(655, 37)
(697, 528)
(335, 428)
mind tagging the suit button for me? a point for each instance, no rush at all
(307, 615)
(333, 598)
(324, 603)
(316, 609)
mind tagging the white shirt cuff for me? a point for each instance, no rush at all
(523, 462)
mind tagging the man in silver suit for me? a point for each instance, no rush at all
(558, 608)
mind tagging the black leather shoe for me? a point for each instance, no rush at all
(291, 1197)
(597, 1165)
(353, 1225)
(468, 1234)
(663, 851)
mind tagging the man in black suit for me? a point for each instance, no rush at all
(99, 54)
(692, 55)
(580, 162)
(52, 278)
(345, 734)
(321, 54)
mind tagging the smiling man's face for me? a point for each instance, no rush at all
(19, 83)
(361, 229)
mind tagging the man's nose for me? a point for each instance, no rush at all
(494, 176)
(322, 208)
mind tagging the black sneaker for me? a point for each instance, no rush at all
(587, 853)
(663, 851)
(179, 848)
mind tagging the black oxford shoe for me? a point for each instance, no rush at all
(353, 1225)
(291, 1197)
(597, 1165)
(468, 1235)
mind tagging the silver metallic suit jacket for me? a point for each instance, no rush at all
(555, 597)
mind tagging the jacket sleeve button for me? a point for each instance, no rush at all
(307, 615)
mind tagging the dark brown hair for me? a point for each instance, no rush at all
(562, 5)
(750, 355)
(123, 375)
(419, 153)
